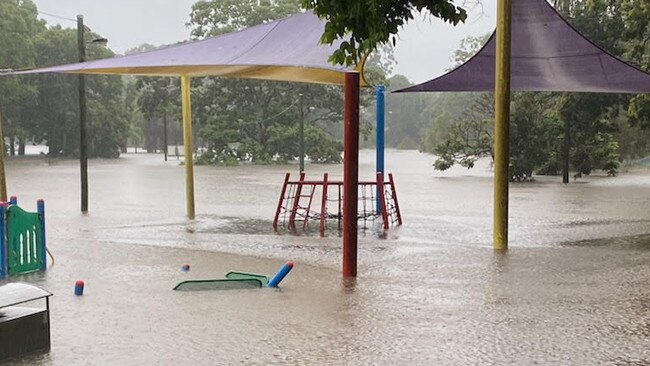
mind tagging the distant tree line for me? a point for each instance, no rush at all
(593, 131)
(235, 120)
(258, 121)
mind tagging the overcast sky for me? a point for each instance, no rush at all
(423, 50)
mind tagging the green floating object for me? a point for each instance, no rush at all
(220, 284)
(247, 276)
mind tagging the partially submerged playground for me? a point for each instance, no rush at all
(511, 60)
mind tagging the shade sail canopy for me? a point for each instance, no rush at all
(286, 49)
(547, 54)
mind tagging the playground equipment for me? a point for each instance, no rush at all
(23, 329)
(22, 239)
(236, 281)
(299, 202)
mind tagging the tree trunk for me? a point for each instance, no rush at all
(21, 146)
(566, 152)
(12, 147)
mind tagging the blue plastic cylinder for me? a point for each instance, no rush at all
(380, 113)
(282, 273)
(79, 288)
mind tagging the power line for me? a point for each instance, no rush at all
(57, 16)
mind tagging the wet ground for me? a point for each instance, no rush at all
(573, 288)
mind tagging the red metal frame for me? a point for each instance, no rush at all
(394, 192)
(382, 200)
(323, 206)
(296, 200)
(277, 212)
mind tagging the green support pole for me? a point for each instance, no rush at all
(187, 141)
(502, 124)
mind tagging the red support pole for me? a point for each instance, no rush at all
(279, 209)
(350, 173)
(296, 201)
(394, 192)
(323, 206)
(382, 200)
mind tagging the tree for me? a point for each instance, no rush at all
(158, 100)
(56, 113)
(469, 46)
(367, 24)
(259, 120)
(406, 118)
(18, 25)
(214, 17)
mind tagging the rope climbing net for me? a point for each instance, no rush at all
(321, 201)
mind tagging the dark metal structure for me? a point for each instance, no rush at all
(23, 329)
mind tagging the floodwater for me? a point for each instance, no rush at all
(572, 290)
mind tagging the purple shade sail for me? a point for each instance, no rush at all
(547, 54)
(287, 49)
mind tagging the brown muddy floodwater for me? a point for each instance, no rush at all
(572, 290)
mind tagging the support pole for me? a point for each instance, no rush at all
(40, 206)
(350, 173)
(83, 143)
(165, 134)
(380, 113)
(3, 178)
(301, 158)
(502, 124)
(187, 142)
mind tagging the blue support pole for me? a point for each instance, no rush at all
(3, 241)
(380, 111)
(40, 205)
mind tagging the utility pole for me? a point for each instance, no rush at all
(83, 144)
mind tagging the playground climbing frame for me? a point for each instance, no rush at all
(302, 201)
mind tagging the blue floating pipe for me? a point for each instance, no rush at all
(282, 273)
(380, 112)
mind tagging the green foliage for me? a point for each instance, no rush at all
(158, 100)
(214, 17)
(469, 137)
(600, 133)
(367, 24)
(45, 107)
(258, 121)
(405, 120)
(469, 46)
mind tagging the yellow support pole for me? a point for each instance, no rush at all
(502, 125)
(3, 178)
(187, 142)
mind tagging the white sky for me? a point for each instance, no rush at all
(423, 50)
